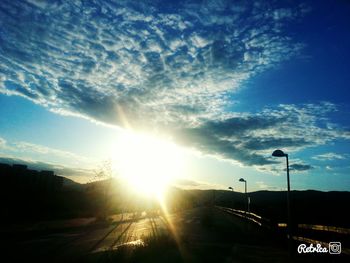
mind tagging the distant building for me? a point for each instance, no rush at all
(21, 178)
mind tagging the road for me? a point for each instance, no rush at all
(76, 243)
(202, 234)
(198, 228)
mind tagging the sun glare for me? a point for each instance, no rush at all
(148, 164)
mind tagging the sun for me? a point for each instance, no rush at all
(148, 164)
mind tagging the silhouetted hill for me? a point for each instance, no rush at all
(68, 183)
(30, 195)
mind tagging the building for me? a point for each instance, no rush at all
(18, 176)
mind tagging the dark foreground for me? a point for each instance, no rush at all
(197, 235)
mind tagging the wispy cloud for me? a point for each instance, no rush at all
(329, 168)
(330, 156)
(251, 138)
(2, 142)
(300, 167)
(194, 184)
(43, 154)
(43, 150)
(261, 185)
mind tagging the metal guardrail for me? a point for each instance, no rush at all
(265, 222)
(334, 229)
(261, 221)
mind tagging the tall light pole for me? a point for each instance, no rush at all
(245, 190)
(279, 153)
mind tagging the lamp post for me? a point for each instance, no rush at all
(245, 190)
(231, 188)
(279, 153)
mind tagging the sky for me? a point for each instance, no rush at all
(228, 82)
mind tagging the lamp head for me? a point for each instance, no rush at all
(278, 153)
(241, 180)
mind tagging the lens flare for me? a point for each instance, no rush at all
(147, 163)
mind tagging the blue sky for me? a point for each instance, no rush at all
(231, 80)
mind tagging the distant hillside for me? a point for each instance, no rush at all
(29, 195)
(68, 183)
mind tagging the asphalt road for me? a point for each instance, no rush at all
(201, 232)
(200, 228)
(76, 243)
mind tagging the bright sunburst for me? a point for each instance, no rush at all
(148, 164)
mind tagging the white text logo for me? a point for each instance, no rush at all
(333, 248)
(302, 248)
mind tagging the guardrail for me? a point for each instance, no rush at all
(261, 221)
(334, 229)
(265, 222)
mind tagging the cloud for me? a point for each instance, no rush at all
(43, 150)
(330, 156)
(111, 61)
(173, 67)
(263, 186)
(295, 166)
(43, 154)
(193, 184)
(250, 138)
(2, 142)
(329, 168)
(299, 167)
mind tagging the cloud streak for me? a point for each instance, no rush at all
(330, 156)
(43, 154)
(250, 138)
(299, 167)
(193, 184)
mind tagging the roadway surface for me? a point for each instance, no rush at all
(74, 244)
(200, 230)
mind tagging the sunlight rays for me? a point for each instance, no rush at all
(148, 164)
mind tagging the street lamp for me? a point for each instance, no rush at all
(245, 190)
(245, 184)
(279, 153)
(230, 188)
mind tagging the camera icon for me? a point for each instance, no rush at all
(334, 247)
